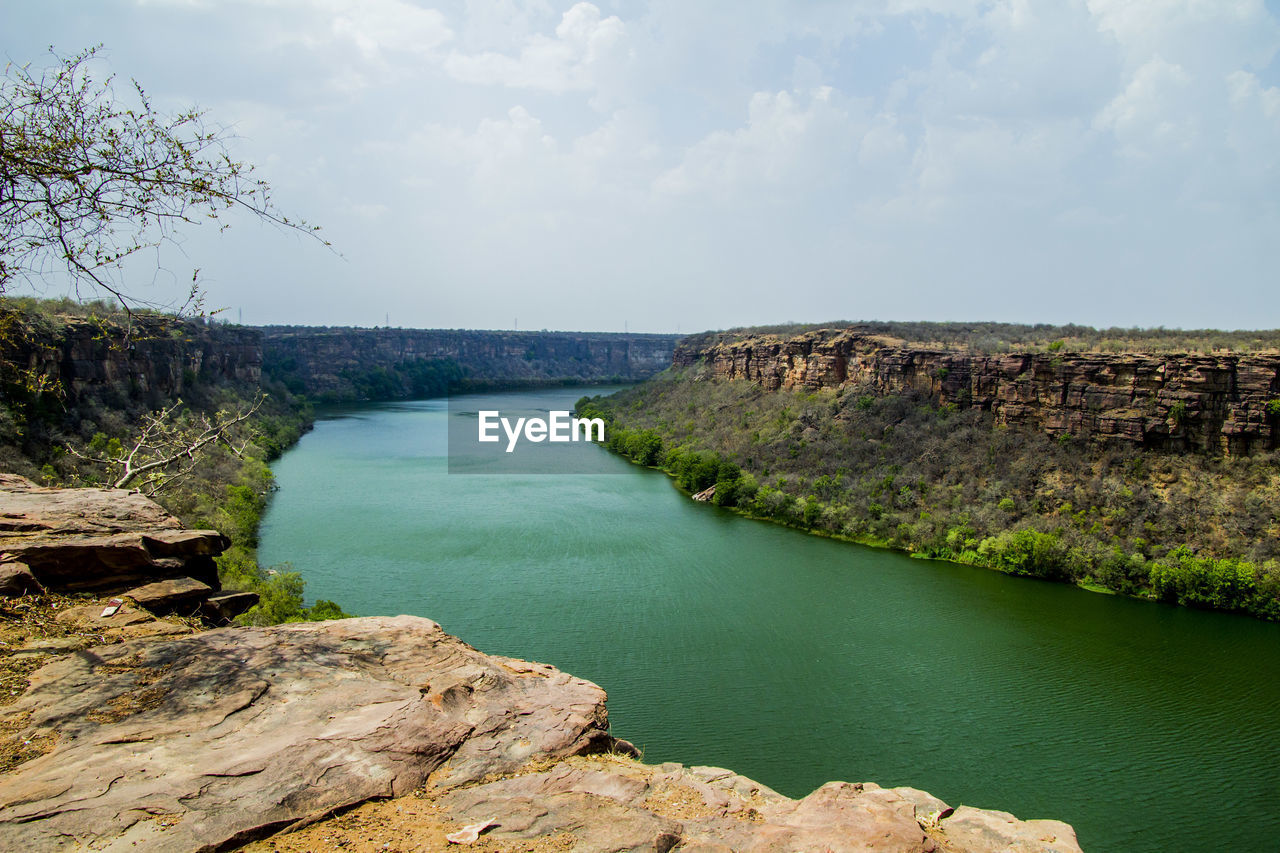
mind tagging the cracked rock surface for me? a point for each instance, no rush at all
(214, 740)
(224, 736)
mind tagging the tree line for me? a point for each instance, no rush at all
(899, 471)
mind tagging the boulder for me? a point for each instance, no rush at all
(16, 579)
(211, 740)
(169, 596)
(100, 540)
(220, 609)
(982, 831)
(611, 803)
(234, 733)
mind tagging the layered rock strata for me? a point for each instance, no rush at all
(109, 542)
(1207, 403)
(155, 364)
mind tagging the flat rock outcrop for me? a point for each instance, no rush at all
(99, 540)
(208, 741)
(621, 805)
(1224, 403)
(223, 736)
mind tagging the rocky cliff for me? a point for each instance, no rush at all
(325, 360)
(1185, 402)
(87, 361)
(90, 362)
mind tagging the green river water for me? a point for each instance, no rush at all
(795, 659)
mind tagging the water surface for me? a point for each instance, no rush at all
(794, 659)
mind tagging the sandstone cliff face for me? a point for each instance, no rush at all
(1206, 403)
(159, 362)
(324, 358)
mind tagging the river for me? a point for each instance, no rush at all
(794, 659)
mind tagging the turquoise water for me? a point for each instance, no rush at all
(794, 659)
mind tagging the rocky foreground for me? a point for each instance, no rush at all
(212, 740)
(141, 733)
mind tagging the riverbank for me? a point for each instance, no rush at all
(796, 659)
(945, 483)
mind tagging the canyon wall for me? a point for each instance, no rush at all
(92, 363)
(89, 362)
(1183, 402)
(323, 360)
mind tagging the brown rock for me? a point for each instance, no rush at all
(1211, 403)
(608, 803)
(16, 579)
(99, 540)
(168, 596)
(90, 616)
(979, 831)
(220, 609)
(154, 628)
(234, 733)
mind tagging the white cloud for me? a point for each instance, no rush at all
(1199, 35)
(380, 27)
(1150, 116)
(584, 43)
(700, 153)
(790, 142)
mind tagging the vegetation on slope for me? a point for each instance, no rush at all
(901, 472)
(224, 490)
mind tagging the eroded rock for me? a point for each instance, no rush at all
(99, 540)
(233, 733)
(168, 596)
(1217, 403)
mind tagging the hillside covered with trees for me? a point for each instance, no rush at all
(943, 481)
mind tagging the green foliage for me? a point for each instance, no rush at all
(1026, 552)
(223, 490)
(1221, 584)
(415, 378)
(883, 470)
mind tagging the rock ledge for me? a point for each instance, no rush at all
(209, 741)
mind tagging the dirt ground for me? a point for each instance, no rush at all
(411, 824)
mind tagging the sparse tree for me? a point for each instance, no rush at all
(89, 178)
(167, 448)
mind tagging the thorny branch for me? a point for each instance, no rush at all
(89, 179)
(168, 448)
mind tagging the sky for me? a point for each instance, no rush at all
(680, 165)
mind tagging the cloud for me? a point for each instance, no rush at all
(790, 142)
(584, 43)
(901, 159)
(381, 27)
(1150, 115)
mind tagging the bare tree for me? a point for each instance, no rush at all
(168, 447)
(88, 179)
